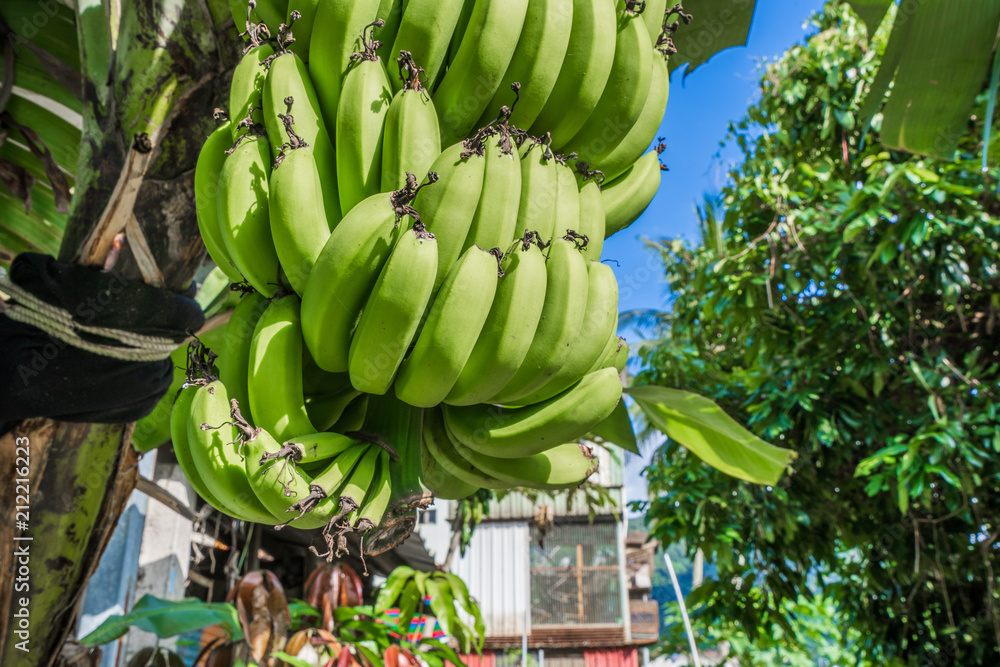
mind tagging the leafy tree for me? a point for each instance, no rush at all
(844, 302)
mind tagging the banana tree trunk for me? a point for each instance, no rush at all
(155, 72)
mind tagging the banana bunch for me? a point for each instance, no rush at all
(414, 198)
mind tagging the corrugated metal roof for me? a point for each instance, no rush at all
(564, 503)
(496, 569)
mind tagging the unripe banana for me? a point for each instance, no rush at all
(393, 312)
(303, 27)
(364, 103)
(621, 356)
(562, 315)
(234, 362)
(336, 475)
(539, 189)
(599, 323)
(299, 226)
(536, 61)
(343, 276)
(214, 453)
(438, 480)
(607, 358)
(338, 27)
(206, 192)
(356, 488)
(509, 329)
(439, 445)
(562, 467)
(290, 100)
(354, 415)
(425, 30)
(272, 475)
(623, 98)
(179, 418)
(495, 220)
(584, 71)
(313, 447)
(479, 65)
(448, 207)
(653, 17)
(243, 214)
(325, 410)
(450, 332)
(411, 140)
(591, 222)
(567, 215)
(377, 501)
(245, 90)
(391, 13)
(275, 380)
(626, 197)
(269, 12)
(518, 432)
(638, 139)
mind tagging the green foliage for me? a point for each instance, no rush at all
(166, 618)
(845, 303)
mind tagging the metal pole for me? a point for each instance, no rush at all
(541, 657)
(684, 611)
(645, 656)
(524, 638)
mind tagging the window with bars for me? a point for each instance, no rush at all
(574, 576)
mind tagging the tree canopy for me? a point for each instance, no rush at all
(842, 302)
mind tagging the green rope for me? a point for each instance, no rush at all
(59, 323)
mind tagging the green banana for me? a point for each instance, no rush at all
(624, 96)
(495, 219)
(206, 190)
(243, 215)
(425, 30)
(234, 362)
(536, 61)
(599, 323)
(438, 480)
(334, 478)
(391, 13)
(213, 441)
(340, 23)
(393, 312)
(539, 186)
(440, 446)
(273, 476)
(245, 106)
(644, 130)
(325, 410)
(179, 418)
(376, 502)
(591, 222)
(653, 16)
(607, 357)
(447, 208)
(411, 140)
(562, 315)
(291, 106)
(563, 466)
(509, 329)
(450, 332)
(269, 12)
(356, 488)
(626, 197)
(344, 274)
(299, 226)
(354, 415)
(303, 28)
(583, 74)
(479, 65)
(567, 213)
(275, 378)
(621, 356)
(456, 39)
(364, 104)
(526, 431)
(313, 447)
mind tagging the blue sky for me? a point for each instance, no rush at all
(698, 111)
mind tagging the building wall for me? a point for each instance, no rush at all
(496, 570)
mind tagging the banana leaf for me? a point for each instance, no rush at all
(166, 618)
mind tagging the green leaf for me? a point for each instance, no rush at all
(408, 603)
(292, 660)
(871, 12)
(394, 584)
(438, 645)
(166, 618)
(717, 25)
(617, 429)
(713, 436)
